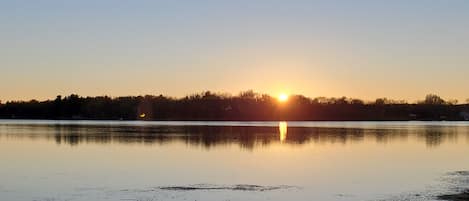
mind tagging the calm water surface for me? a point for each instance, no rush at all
(119, 160)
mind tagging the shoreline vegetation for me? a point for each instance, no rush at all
(246, 106)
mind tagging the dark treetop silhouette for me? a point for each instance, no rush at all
(247, 105)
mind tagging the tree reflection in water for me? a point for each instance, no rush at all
(248, 137)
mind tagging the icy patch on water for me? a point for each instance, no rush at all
(459, 173)
(450, 186)
(238, 187)
(207, 192)
(208, 187)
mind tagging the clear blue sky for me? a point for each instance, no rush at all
(362, 49)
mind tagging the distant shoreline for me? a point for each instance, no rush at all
(248, 106)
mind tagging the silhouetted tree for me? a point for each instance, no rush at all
(433, 99)
(452, 101)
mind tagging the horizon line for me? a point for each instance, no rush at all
(228, 95)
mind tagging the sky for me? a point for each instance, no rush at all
(362, 49)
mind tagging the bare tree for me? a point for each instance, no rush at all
(452, 101)
(433, 99)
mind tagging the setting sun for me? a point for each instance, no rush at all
(283, 97)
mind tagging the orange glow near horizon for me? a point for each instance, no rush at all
(282, 97)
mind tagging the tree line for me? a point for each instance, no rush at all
(247, 105)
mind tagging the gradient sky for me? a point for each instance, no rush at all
(364, 49)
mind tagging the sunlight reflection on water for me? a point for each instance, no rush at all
(282, 127)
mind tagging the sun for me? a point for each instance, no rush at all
(282, 97)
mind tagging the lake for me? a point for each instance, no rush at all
(175, 160)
